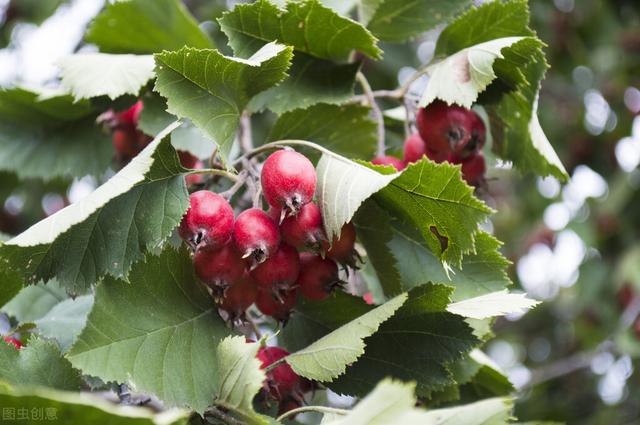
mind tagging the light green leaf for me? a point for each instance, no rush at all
(435, 200)
(306, 25)
(400, 20)
(73, 408)
(346, 130)
(166, 334)
(146, 26)
(328, 357)
(33, 302)
(460, 78)
(240, 377)
(10, 285)
(212, 90)
(38, 363)
(98, 74)
(311, 81)
(65, 320)
(492, 305)
(46, 136)
(110, 229)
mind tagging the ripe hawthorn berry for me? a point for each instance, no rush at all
(288, 181)
(415, 149)
(238, 298)
(208, 221)
(13, 341)
(343, 247)
(277, 307)
(473, 168)
(281, 382)
(279, 272)
(392, 161)
(445, 128)
(219, 268)
(318, 277)
(256, 235)
(305, 228)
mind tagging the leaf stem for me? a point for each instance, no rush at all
(216, 172)
(321, 409)
(375, 108)
(220, 415)
(274, 365)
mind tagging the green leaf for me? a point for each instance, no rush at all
(460, 78)
(400, 20)
(98, 74)
(110, 229)
(212, 90)
(338, 176)
(490, 305)
(311, 81)
(328, 357)
(65, 320)
(10, 285)
(240, 377)
(33, 302)
(346, 130)
(146, 26)
(159, 332)
(375, 234)
(73, 408)
(435, 200)
(306, 25)
(481, 273)
(38, 363)
(45, 135)
(492, 20)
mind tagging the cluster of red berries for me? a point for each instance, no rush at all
(445, 133)
(267, 258)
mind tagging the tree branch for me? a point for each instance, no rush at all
(375, 108)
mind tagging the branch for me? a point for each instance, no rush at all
(321, 409)
(377, 112)
(246, 137)
(224, 417)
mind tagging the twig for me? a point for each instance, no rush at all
(246, 137)
(216, 172)
(219, 414)
(240, 181)
(375, 108)
(254, 327)
(321, 409)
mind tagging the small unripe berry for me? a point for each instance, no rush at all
(219, 268)
(256, 235)
(305, 228)
(208, 221)
(318, 277)
(288, 180)
(444, 128)
(279, 272)
(13, 341)
(278, 308)
(238, 298)
(415, 149)
(343, 247)
(392, 161)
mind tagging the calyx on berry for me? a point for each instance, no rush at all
(445, 128)
(278, 307)
(256, 235)
(219, 268)
(318, 277)
(208, 221)
(288, 181)
(305, 228)
(279, 272)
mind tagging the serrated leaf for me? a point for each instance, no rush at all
(429, 336)
(166, 336)
(460, 78)
(33, 302)
(328, 357)
(400, 20)
(481, 273)
(308, 26)
(10, 285)
(46, 136)
(240, 377)
(212, 90)
(492, 305)
(38, 363)
(146, 26)
(311, 81)
(435, 200)
(98, 74)
(65, 320)
(73, 408)
(343, 185)
(375, 234)
(346, 130)
(110, 229)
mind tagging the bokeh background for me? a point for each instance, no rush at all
(574, 359)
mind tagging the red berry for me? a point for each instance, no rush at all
(305, 228)
(238, 297)
(281, 381)
(279, 309)
(318, 277)
(13, 341)
(473, 168)
(415, 149)
(444, 128)
(279, 272)
(132, 115)
(219, 268)
(288, 180)
(625, 295)
(368, 298)
(208, 221)
(256, 235)
(394, 162)
(343, 248)
(124, 143)
(192, 162)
